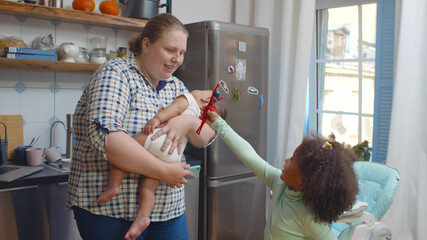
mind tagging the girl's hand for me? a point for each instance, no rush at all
(175, 173)
(176, 129)
(212, 116)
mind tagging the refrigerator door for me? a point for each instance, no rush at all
(236, 208)
(214, 50)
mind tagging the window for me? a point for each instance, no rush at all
(345, 62)
(353, 57)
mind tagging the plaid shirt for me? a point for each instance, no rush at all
(118, 98)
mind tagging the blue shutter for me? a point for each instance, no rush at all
(384, 69)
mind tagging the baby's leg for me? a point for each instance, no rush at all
(146, 203)
(114, 180)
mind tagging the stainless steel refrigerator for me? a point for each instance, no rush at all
(231, 199)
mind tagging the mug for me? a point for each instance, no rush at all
(20, 152)
(53, 154)
(34, 156)
(66, 164)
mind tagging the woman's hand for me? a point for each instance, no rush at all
(175, 173)
(176, 129)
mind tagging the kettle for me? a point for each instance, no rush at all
(145, 9)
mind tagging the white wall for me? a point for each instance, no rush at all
(44, 97)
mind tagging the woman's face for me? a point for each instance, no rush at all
(163, 57)
(291, 174)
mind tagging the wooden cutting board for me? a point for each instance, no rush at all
(15, 133)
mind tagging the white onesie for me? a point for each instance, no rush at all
(154, 147)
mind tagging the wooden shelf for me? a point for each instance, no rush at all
(51, 66)
(69, 15)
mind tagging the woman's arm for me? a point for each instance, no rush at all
(127, 154)
(184, 125)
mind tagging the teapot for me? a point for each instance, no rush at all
(67, 52)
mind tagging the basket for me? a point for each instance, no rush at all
(3, 146)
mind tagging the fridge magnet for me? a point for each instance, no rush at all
(261, 101)
(241, 69)
(230, 69)
(252, 90)
(224, 86)
(236, 94)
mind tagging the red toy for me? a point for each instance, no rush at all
(210, 107)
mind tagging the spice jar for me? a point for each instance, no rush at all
(122, 52)
(112, 55)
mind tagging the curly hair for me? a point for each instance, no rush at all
(329, 182)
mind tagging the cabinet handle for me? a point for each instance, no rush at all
(62, 183)
(18, 188)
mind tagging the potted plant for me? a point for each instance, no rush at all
(363, 151)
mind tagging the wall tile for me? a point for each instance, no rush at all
(10, 26)
(8, 78)
(70, 32)
(9, 102)
(33, 28)
(37, 105)
(37, 79)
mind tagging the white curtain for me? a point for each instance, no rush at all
(407, 149)
(291, 27)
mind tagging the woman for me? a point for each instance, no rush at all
(122, 96)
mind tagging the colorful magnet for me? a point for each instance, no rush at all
(224, 86)
(252, 90)
(236, 94)
(261, 101)
(230, 69)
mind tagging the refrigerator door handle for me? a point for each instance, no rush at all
(220, 183)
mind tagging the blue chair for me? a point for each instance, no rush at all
(377, 186)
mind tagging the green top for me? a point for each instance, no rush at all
(289, 217)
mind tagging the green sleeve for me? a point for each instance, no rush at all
(245, 152)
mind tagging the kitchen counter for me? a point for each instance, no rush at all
(45, 176)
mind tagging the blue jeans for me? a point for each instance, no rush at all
(98, 227)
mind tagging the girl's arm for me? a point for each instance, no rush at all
(243, 150)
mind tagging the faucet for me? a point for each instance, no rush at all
(68, 129)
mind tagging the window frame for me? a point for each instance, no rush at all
(384, 74)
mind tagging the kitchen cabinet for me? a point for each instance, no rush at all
(64, 15)
(36, 212)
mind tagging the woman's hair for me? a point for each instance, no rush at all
(329, 182)
(154, 30)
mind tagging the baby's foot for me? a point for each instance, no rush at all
(108, 194)
(137, 227)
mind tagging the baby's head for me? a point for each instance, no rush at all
(326, 176)
(203, 96)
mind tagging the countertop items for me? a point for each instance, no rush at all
(15, 133)
(44, 176)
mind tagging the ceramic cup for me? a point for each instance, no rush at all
(20, 155)
(53, 154)
(34, 156)
(66, 164)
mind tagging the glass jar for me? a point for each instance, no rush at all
(83, 57)
(111, 55)
(122, 52)
(98, 55)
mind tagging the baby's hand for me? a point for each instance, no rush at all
(151, 125)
